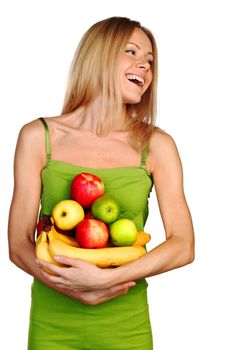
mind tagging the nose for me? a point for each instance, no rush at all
(143, 64)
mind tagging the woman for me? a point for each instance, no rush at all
(107, 129)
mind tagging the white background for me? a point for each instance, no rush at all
(190, 308)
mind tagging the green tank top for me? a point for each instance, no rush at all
(123, 323)
(130, 186)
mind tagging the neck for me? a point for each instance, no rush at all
(88, 117)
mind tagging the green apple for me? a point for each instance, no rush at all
(123, 232)
(67, 214)
(106, 209)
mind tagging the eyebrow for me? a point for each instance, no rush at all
(130, 42)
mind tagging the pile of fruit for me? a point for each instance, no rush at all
(87, 226)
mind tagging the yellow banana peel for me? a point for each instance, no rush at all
(102, 257)
(42, 250)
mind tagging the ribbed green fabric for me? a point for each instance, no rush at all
(58, 322)
(47, 138)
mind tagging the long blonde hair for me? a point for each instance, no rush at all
(94, 68)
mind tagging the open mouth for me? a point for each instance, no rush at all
(136, 79)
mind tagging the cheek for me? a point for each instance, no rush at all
(149, 79)
(124, 65)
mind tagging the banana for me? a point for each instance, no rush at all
(102, 257)
(42, 250)
(142, 239)
(64, 238)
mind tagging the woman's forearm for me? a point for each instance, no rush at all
(25, 258)
(169, 255)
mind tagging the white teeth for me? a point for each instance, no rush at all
(135, 77)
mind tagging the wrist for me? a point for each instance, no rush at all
(110, 277)
(114, 276)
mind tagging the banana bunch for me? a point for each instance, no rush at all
(42, 249)
(53, 243)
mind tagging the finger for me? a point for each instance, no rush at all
(65, 260)
(109, 294)
(64, 286)
(124, 291)
(113, 295)
(121, 292)
(57, 270)
(53, 278)
(119, 287)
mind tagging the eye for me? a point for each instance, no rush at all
(131, 52)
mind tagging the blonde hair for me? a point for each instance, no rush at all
(93, 70)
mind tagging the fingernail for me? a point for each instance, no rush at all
(57, 257)
(132, 284)
(37, 261)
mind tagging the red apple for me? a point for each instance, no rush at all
(39, 227)
(86, 188)
(43, 224)
(89, 215)
(92, 233)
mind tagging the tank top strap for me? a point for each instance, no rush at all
(144, 156)
(47, 138)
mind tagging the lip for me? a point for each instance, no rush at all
(138, 75)
(135, 85)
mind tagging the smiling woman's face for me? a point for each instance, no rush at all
(135, 67)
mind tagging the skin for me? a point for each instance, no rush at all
(137, 60)
(70, 135)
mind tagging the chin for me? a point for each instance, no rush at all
(132, 100)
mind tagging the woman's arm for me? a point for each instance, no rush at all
(178, 248)
(28, 164)
(24, 208)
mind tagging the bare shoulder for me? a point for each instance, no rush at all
(160, 141)
(162, 149)
(32, 129)
(31, 140)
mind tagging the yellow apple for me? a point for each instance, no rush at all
(67, 214)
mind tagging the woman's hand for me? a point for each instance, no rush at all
(96, 297)
(79, 275)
